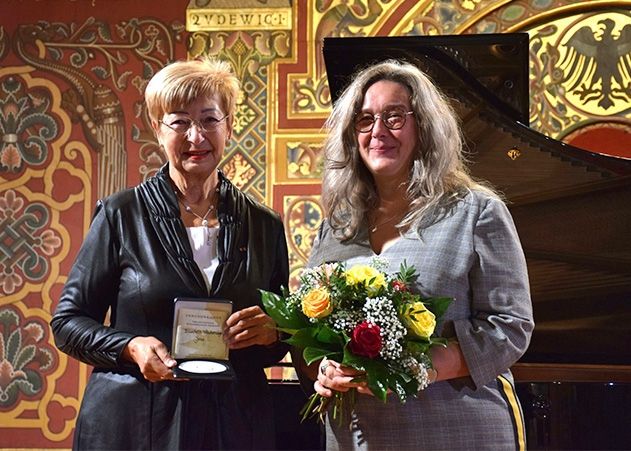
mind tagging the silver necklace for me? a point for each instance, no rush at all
(203, 218)
(187, 207)
(376, 226)
(190, 210)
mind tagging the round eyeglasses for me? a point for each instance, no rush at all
(184, 126)
(392, 119)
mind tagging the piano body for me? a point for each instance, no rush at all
(572, 209)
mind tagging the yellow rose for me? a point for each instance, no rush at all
(362, 274)
(418, 320)
(317, 303)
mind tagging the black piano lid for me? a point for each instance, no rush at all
(495, 65)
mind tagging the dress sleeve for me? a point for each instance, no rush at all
(89, 292)
(498, 331)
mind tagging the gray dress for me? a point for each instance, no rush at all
(472, 254)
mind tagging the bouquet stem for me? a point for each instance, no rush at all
(318, 406)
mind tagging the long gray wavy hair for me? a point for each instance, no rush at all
(438, 177)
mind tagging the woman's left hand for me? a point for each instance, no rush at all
(250, 326)
(332, 376)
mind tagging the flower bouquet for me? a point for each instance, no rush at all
(364, 319)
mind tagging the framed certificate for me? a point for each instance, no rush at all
(198, 346)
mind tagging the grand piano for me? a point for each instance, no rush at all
(572, 209)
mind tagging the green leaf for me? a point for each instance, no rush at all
(407, 273)
(311, 354)
(418, 347)
(438, 306)
(377, 377)
(325, 334)
(304, 337)
(287, 330)
(286, 317)
(355, 361)
(313, 348)
(377, 372)
(398, 383)
(399, 390)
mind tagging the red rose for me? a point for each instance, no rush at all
(398, 285)
(366, 340)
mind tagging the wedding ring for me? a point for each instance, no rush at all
(323, 368)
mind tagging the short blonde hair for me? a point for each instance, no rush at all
(180, 83)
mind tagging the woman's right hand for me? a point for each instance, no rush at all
(334, 376)
(152, 357)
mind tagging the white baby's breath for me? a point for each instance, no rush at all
(345, 320)
(418, 370)
(382, 312)
(380, 263)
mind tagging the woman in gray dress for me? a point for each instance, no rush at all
(396, 185)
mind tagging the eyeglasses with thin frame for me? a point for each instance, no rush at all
(392, 119)
(184, 126)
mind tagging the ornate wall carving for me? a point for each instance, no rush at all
(73, 128)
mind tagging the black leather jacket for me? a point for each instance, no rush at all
(134, 261)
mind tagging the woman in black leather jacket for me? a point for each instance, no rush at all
(186, 232)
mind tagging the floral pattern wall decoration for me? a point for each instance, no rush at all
(74, 127)
(25, 357)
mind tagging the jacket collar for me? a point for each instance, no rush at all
(232, 241)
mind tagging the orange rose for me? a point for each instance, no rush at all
(317, 303)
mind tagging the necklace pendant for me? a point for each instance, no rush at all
(205, 222)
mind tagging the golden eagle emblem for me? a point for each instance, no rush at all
(599, 68)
